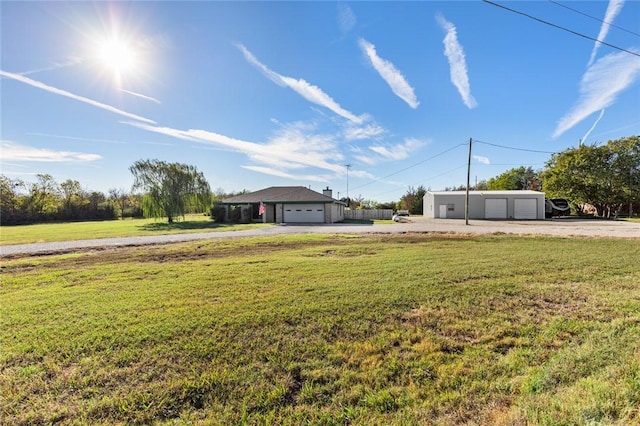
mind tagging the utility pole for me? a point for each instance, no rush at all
(466, 203)
(630, 194)
(348, 166)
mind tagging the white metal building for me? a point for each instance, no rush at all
(485, 205)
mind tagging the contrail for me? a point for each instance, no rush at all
(140, 95)
(390, 74)
(601, 85)
(51, 89)
(308, 91)
(615, 6)
(458, 66)
(346, 18)
(584, 138)
(55, 66)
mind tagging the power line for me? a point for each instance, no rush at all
(593, 17)
(514, 148)
(426, 180)
(561, 28)
(411, 166)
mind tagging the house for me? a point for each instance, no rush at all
(284, 204)
(485, 204)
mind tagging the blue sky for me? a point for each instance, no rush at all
(258, 94)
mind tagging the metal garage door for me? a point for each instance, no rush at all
(525, 208)
(495, 208)
(304, 213)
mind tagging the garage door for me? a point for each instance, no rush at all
(304, 213)
(525, 208)
(495, 208)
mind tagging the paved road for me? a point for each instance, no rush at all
(558, 227)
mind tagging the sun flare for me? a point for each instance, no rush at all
(116, 55)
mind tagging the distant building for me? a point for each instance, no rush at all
(485, 205)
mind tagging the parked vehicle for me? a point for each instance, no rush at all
(403, 213)
(556, 207)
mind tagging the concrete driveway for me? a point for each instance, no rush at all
(557, 227)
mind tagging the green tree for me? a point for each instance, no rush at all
(72, 198)
(43, 202)
(413, 200)
(120, 197)
(388, 205)
(169, 187)
(479, 186)
(10, 205)
(517, 178)
(605, 176)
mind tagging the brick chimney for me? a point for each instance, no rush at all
(327, 192)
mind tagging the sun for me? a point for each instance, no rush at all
(116, 55)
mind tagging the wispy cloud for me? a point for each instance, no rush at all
(361, 174)
(368, 131)
(308, 91)
(300, 140)
(20, 173)
(586, 135)
(399, 151)
(370, 160)
(15, 152)
(12, 165)
(55, 90)
(292, 147)
(280, 173)
(57, 65)
(482, 159)
(458, 66)
(390, 74)
(600, 87)
(140, 95)
(76, 138)
(617, 129)
(613, 9)
(346, 18)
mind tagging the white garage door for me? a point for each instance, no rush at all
(525, 208)
(304, 213)
(495, 208)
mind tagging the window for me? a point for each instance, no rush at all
(451, 207)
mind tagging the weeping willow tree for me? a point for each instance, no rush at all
(170, 188)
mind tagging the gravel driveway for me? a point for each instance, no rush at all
(557, 227)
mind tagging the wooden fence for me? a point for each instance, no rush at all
(368, 214)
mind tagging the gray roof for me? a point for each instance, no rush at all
(281, 194)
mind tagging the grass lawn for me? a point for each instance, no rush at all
(319, 329)
(67, 231)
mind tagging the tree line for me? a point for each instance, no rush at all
(606, 177)
(46, 200)
(166, 190)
